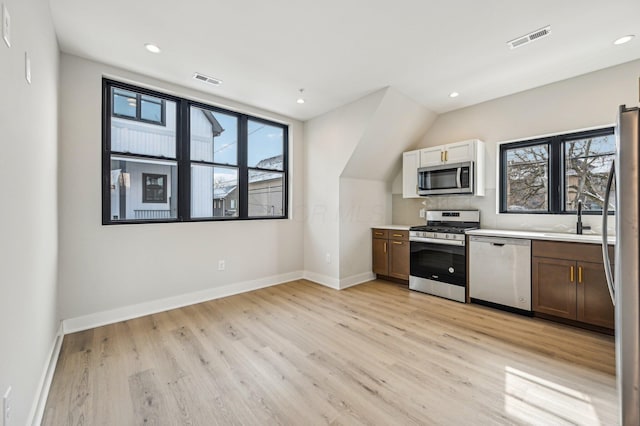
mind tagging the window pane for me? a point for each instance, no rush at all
(265, 146)
(139, 137)
(124, 103)
(135, 181)
(587, 165)
(214, 137)
(151, 109)
(527, 178)
(265, 193)
(214, 191)
(154, 188)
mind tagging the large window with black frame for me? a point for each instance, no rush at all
(550, 175)
(169, 159)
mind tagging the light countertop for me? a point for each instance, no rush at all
(393, 227)
(541, 235)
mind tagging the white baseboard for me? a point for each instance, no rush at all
(98, 319)
(356, 279)
(324, 280)
(42, 392)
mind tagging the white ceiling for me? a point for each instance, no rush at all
(341, 50)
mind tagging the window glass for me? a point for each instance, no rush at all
(151, 109)
(124, 103)
(143, 189)
(214, 191)
(214, 137)
(587, 165)
(212, 164)
(265, 193)
(265, 146)
(527, 178)
(154, 188)
(140, 137)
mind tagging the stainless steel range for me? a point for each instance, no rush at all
(438, 262)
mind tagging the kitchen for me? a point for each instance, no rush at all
(540, 238)
(359, 116)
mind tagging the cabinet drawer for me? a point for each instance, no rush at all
(398, 235)
(380, 233)
(570, 251)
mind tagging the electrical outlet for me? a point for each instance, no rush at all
(6, 25)
(422, 213)
(328, 258)
(6, 407)
(221, 265)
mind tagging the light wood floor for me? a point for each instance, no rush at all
(302, 354)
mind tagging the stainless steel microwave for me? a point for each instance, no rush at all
(446, 179)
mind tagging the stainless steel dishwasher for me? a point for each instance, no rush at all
(500, 272)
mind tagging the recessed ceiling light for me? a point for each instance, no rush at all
(454, 94)
(625, 39)
(152, 48)
(301, 99)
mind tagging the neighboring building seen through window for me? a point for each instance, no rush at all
(210, 164)
(266, 163)
(550, 175)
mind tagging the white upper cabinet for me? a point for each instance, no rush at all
(410, 164)
(431, 156)
(458, 152)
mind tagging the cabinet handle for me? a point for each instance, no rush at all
(397, 242)
(385, 247)
(572, 274)
(446, 155)
(579, 274)
(379, 233)
(397, 235)
(442, 156)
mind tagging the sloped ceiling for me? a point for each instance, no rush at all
(395, 126)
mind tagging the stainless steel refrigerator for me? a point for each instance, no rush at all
(624, 289)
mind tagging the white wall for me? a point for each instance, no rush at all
(351, 153)
(363, 205)
(581, 102)
(28, 216)
(329, 140)
(109, 267)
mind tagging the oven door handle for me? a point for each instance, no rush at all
(437, 241)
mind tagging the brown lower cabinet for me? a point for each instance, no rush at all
(569, 282)
(391, 253)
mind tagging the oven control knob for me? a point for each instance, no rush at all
(451, 270)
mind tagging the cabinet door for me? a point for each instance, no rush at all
(399, 259)
(410, 164)
(554, 287)
(431, 156)
(460, 152)
(380, 256)
(594, 303)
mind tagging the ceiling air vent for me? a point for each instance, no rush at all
(207, 79)
(533, 36)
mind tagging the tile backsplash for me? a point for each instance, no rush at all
(407, 212)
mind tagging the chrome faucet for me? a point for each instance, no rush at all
(580, 227)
